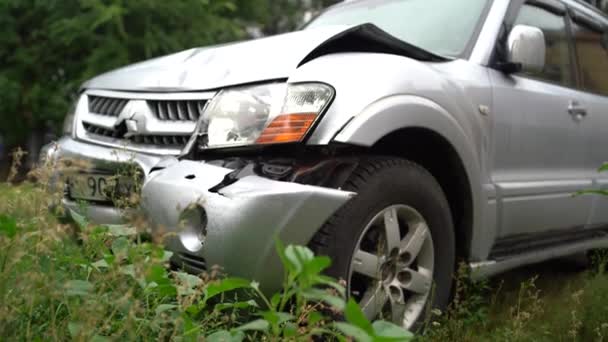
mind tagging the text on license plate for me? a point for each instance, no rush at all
(95, 187)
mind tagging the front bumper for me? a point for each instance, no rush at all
(243, 219)
(100, 159)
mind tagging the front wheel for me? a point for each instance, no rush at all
(393, 243)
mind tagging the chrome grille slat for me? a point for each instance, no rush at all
(106, 106)
(162, 111)
(93, 103)
(99, 106)
(181, 112)
(112, 106)
(192, 109)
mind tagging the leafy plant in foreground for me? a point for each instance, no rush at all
(109, 285)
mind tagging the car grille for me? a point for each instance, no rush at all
(177, 110)
(168, 110)
(106, 105)
(164, 121)
(171, 141)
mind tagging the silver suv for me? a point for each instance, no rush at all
(395, 136)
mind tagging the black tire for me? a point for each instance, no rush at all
(380, 183)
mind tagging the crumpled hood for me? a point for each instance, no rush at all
(258, 60)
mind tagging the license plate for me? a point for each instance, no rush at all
(96, 187)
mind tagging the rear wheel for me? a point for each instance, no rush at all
(393, 243)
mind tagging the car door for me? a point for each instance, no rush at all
(540, 151)
(591, 51)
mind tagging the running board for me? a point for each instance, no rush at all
(485, 269)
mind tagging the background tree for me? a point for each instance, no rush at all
(48, 48)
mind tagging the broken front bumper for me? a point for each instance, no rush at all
(237, 225)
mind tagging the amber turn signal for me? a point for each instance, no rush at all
(287, 128)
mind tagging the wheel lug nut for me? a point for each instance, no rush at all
(395, 292)
(405, 258)
(404, 277)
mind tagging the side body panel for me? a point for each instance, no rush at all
(377, 94)
(540, 157)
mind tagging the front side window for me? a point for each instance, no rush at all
(444, 27)
(558, 68)
(592, 54)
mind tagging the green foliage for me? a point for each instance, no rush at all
(48, 48)
(102, 283)
(594, 299)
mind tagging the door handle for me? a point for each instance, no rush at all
(577, 111)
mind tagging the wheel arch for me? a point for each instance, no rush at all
(421, 131)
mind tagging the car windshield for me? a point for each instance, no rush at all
(444, 27)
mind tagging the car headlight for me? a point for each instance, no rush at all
(267, 114)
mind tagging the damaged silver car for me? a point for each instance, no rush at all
(395, 136)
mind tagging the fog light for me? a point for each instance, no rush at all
(193, 224)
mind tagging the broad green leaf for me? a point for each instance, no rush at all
(129, 270)
(257, 325)
(354, 315)
(314, 318)
(277, 318)
(290, 329)
(121, 230)
(78, 288)
(324, 296)
(8, 226)
(226, 336)
(120, 247)
(167, 255)
(298, 256)
(225, 285)
(80, 220)
(318, 264)
(604, 168)
(164, 308)
(280, 248)
(391, 332)
(189, 280)
(100, 264)
(355, 332)
(237, 305)
(157, 274)
(74, 328)
(191, 330)
(328, 281)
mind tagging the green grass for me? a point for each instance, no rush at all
(559, 300)
(63, 282)
(66, 282)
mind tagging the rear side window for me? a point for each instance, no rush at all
(558, 67)
(592, 53)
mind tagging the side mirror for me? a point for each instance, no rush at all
(526, 48)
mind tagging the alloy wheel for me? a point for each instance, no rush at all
(391, 272)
